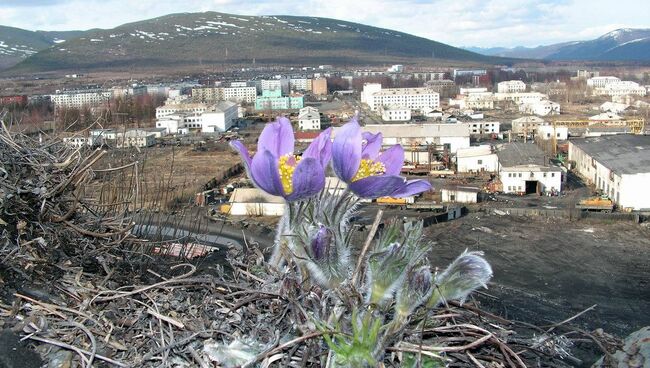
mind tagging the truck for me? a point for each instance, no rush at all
(390, 201)
(596, 204)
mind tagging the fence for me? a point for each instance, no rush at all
(573, 214)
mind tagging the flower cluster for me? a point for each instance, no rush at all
(355, 156)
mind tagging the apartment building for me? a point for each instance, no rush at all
(484, 127)
(81, 98)
(235, 94)
(319, 86)
(300, 84)
(174, 106)
(412, 98)
(274, 100)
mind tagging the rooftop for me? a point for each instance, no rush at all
(518, 153)
(474, 151)
(419, 130)
(623, 154)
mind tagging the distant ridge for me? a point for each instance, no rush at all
(625, 44)
(211, 38)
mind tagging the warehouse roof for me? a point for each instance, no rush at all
(518, 153)
(622, 154)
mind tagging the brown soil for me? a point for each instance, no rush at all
(546, 270)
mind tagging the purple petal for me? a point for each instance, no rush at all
(277, 138)
(321, 148)
(393, 159)
(265, 173)
(308, 179)
(373, 145)
(243, 152)
(346, 150)
(411, 187)
(377, 186)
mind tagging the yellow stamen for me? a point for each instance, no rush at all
(369, 168)
(286, 166)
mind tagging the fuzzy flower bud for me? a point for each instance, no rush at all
(386, 272)
(321, 244)
(467, 273)
(415, 291)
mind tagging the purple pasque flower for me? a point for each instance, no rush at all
(357, 160)
(278, 171)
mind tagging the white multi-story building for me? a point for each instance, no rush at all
(618, 165)
(395, 113)
(512, 86)
(412, 98)
(309, 119)
(477, 159)
(601, 82)
(300, 84)
(240, 94)
(369, 89)
(269, 84)
(81, 98)
(621, 88)
(483, 127)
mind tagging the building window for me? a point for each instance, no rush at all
(552, 175)
(480, 162)
(544, 174)
(520, 176)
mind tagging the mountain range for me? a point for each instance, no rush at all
(625, 44)
(216, 38)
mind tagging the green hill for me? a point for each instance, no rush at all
(191, 39)
(17, 44)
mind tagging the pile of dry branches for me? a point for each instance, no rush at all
(81, 289)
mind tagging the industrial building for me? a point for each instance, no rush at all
(524, 169)
(477, 159)
(254, 202)
(441, 136)
(459, 194)
(618, 165)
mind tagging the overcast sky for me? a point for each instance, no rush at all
(457, 22)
